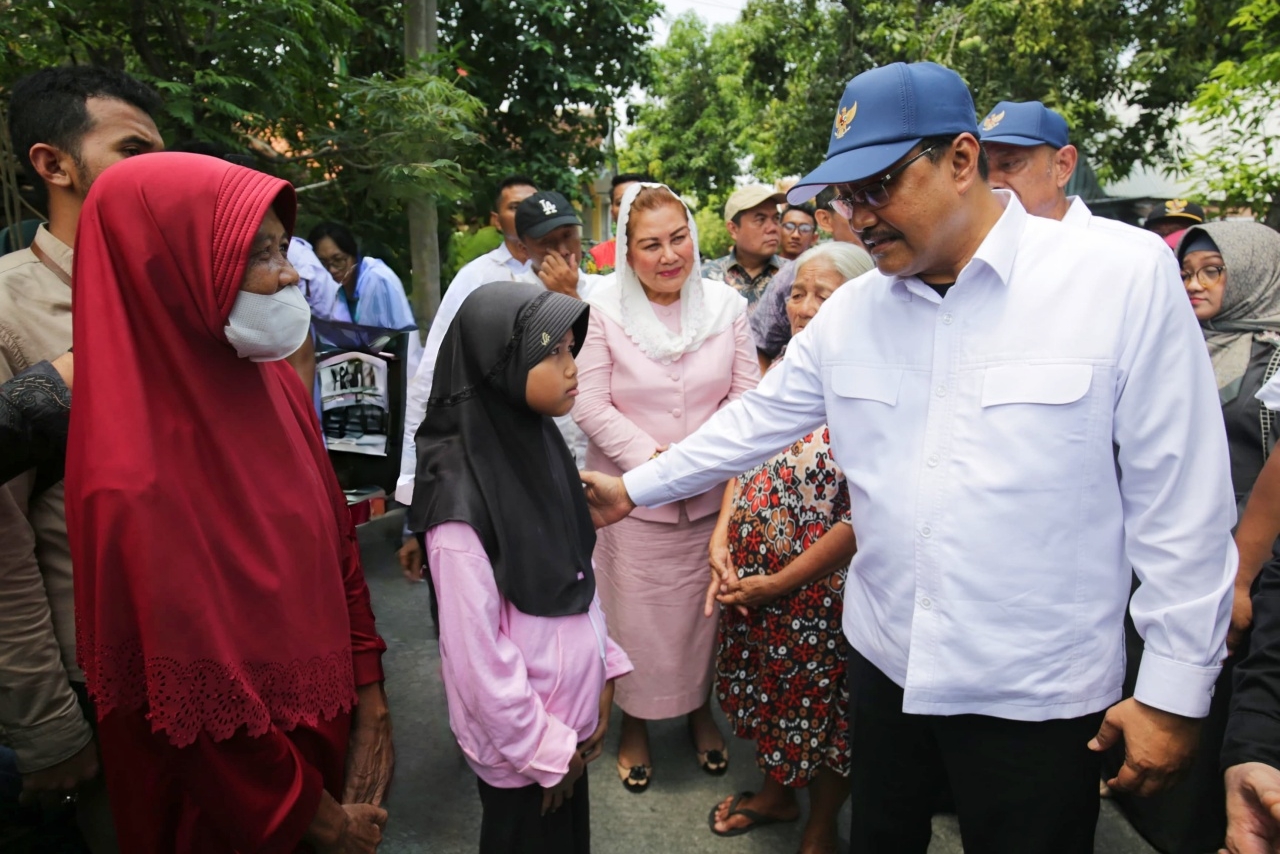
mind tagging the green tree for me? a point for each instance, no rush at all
(1095, 62)
(1237, 106)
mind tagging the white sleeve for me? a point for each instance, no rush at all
(788, 403)
(1269, 394)
(1175, 488)
(419, 388)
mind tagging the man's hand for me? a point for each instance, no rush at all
(370, 756)
(591, 749)
(1253, 809)
(553, 798)
(607, 496)
(559, 275)
(1241, 618)
(65, 777)
(1158, 745)
(410, 557)
(352, 829)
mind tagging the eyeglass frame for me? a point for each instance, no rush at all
(802, 227)
(843, 205)
(1187, 276)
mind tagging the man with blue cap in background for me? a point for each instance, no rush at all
(1030, 154)
(1012, 447)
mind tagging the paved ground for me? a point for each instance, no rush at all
(433, 803)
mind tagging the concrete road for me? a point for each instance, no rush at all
(434, 808)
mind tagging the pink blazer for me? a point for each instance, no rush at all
(629, 404)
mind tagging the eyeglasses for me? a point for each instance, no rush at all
(802, 227)
(873, 195)
(1207, 276)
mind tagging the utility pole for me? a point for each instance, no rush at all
(424, 241)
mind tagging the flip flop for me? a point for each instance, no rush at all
(757, 819)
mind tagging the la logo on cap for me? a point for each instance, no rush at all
(844, 118)
(992, 120)
(548, 208)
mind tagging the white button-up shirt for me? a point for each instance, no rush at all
(1011, 451)
(1079, 215)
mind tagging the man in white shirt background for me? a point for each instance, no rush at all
(1030, 154)
(1013, 446)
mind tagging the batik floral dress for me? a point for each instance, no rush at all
(780, 670)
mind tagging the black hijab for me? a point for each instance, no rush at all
(485, 458)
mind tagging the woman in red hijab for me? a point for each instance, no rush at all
(222, 617)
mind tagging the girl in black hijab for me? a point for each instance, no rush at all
(528, 666)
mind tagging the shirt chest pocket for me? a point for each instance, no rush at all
(1052, 385)
(858, 383)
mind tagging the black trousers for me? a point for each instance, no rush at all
(513, 822)
(1019, 787)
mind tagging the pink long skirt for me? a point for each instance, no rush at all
(652, 578)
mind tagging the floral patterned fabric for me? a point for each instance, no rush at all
(780, 670)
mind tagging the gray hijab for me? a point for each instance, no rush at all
(1250, 302)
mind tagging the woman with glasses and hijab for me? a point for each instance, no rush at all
(1231, 271)
(222, 618)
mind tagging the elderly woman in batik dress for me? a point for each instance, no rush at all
(779, 555)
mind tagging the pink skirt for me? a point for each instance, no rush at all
(652, 578)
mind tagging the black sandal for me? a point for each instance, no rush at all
(635, 779)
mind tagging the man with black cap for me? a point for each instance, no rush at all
(1001, 410)
(1174, 216)
(551, 233)
(1030, 154)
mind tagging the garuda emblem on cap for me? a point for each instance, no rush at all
(1174, 206)
(844, 118)
(992, 120)
(548, 208)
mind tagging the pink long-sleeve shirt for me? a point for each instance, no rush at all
(523, 691)
(629, 404)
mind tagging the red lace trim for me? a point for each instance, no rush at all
(184, 699)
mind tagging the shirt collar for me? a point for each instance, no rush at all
(1078, 213)
(58, 252)
(997, 250)
(502, 256)
(775, 261)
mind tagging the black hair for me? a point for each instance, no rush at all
(824, 199)
(938, 143)
(804, 208)
(49, 106)
(511, 181)
(628, 178)
(338, 233)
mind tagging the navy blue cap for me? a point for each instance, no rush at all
(883, 114)
(1024, 123)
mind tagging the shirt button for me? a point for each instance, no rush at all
(676, 413)
(933, 461)
(946, 318)
(926, 531)
(940, 391)
(926, 603)
(675, 377)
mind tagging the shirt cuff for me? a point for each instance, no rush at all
(1251, 737)
(46, 745)
(645, 486)
(1171, 686)
(367, 666)
(404, 490)
(551, 760)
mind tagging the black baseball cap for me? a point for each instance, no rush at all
(542, 212)
(1177, 210)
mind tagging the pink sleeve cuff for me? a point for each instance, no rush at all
(550, 761)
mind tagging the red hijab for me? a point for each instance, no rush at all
(203, 512)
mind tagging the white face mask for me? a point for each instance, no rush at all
(268, 327)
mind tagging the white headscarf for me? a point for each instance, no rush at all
(706, 307)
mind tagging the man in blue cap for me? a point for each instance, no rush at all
(1030, 154)
(1001, 409)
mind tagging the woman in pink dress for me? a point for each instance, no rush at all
(664, 351)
